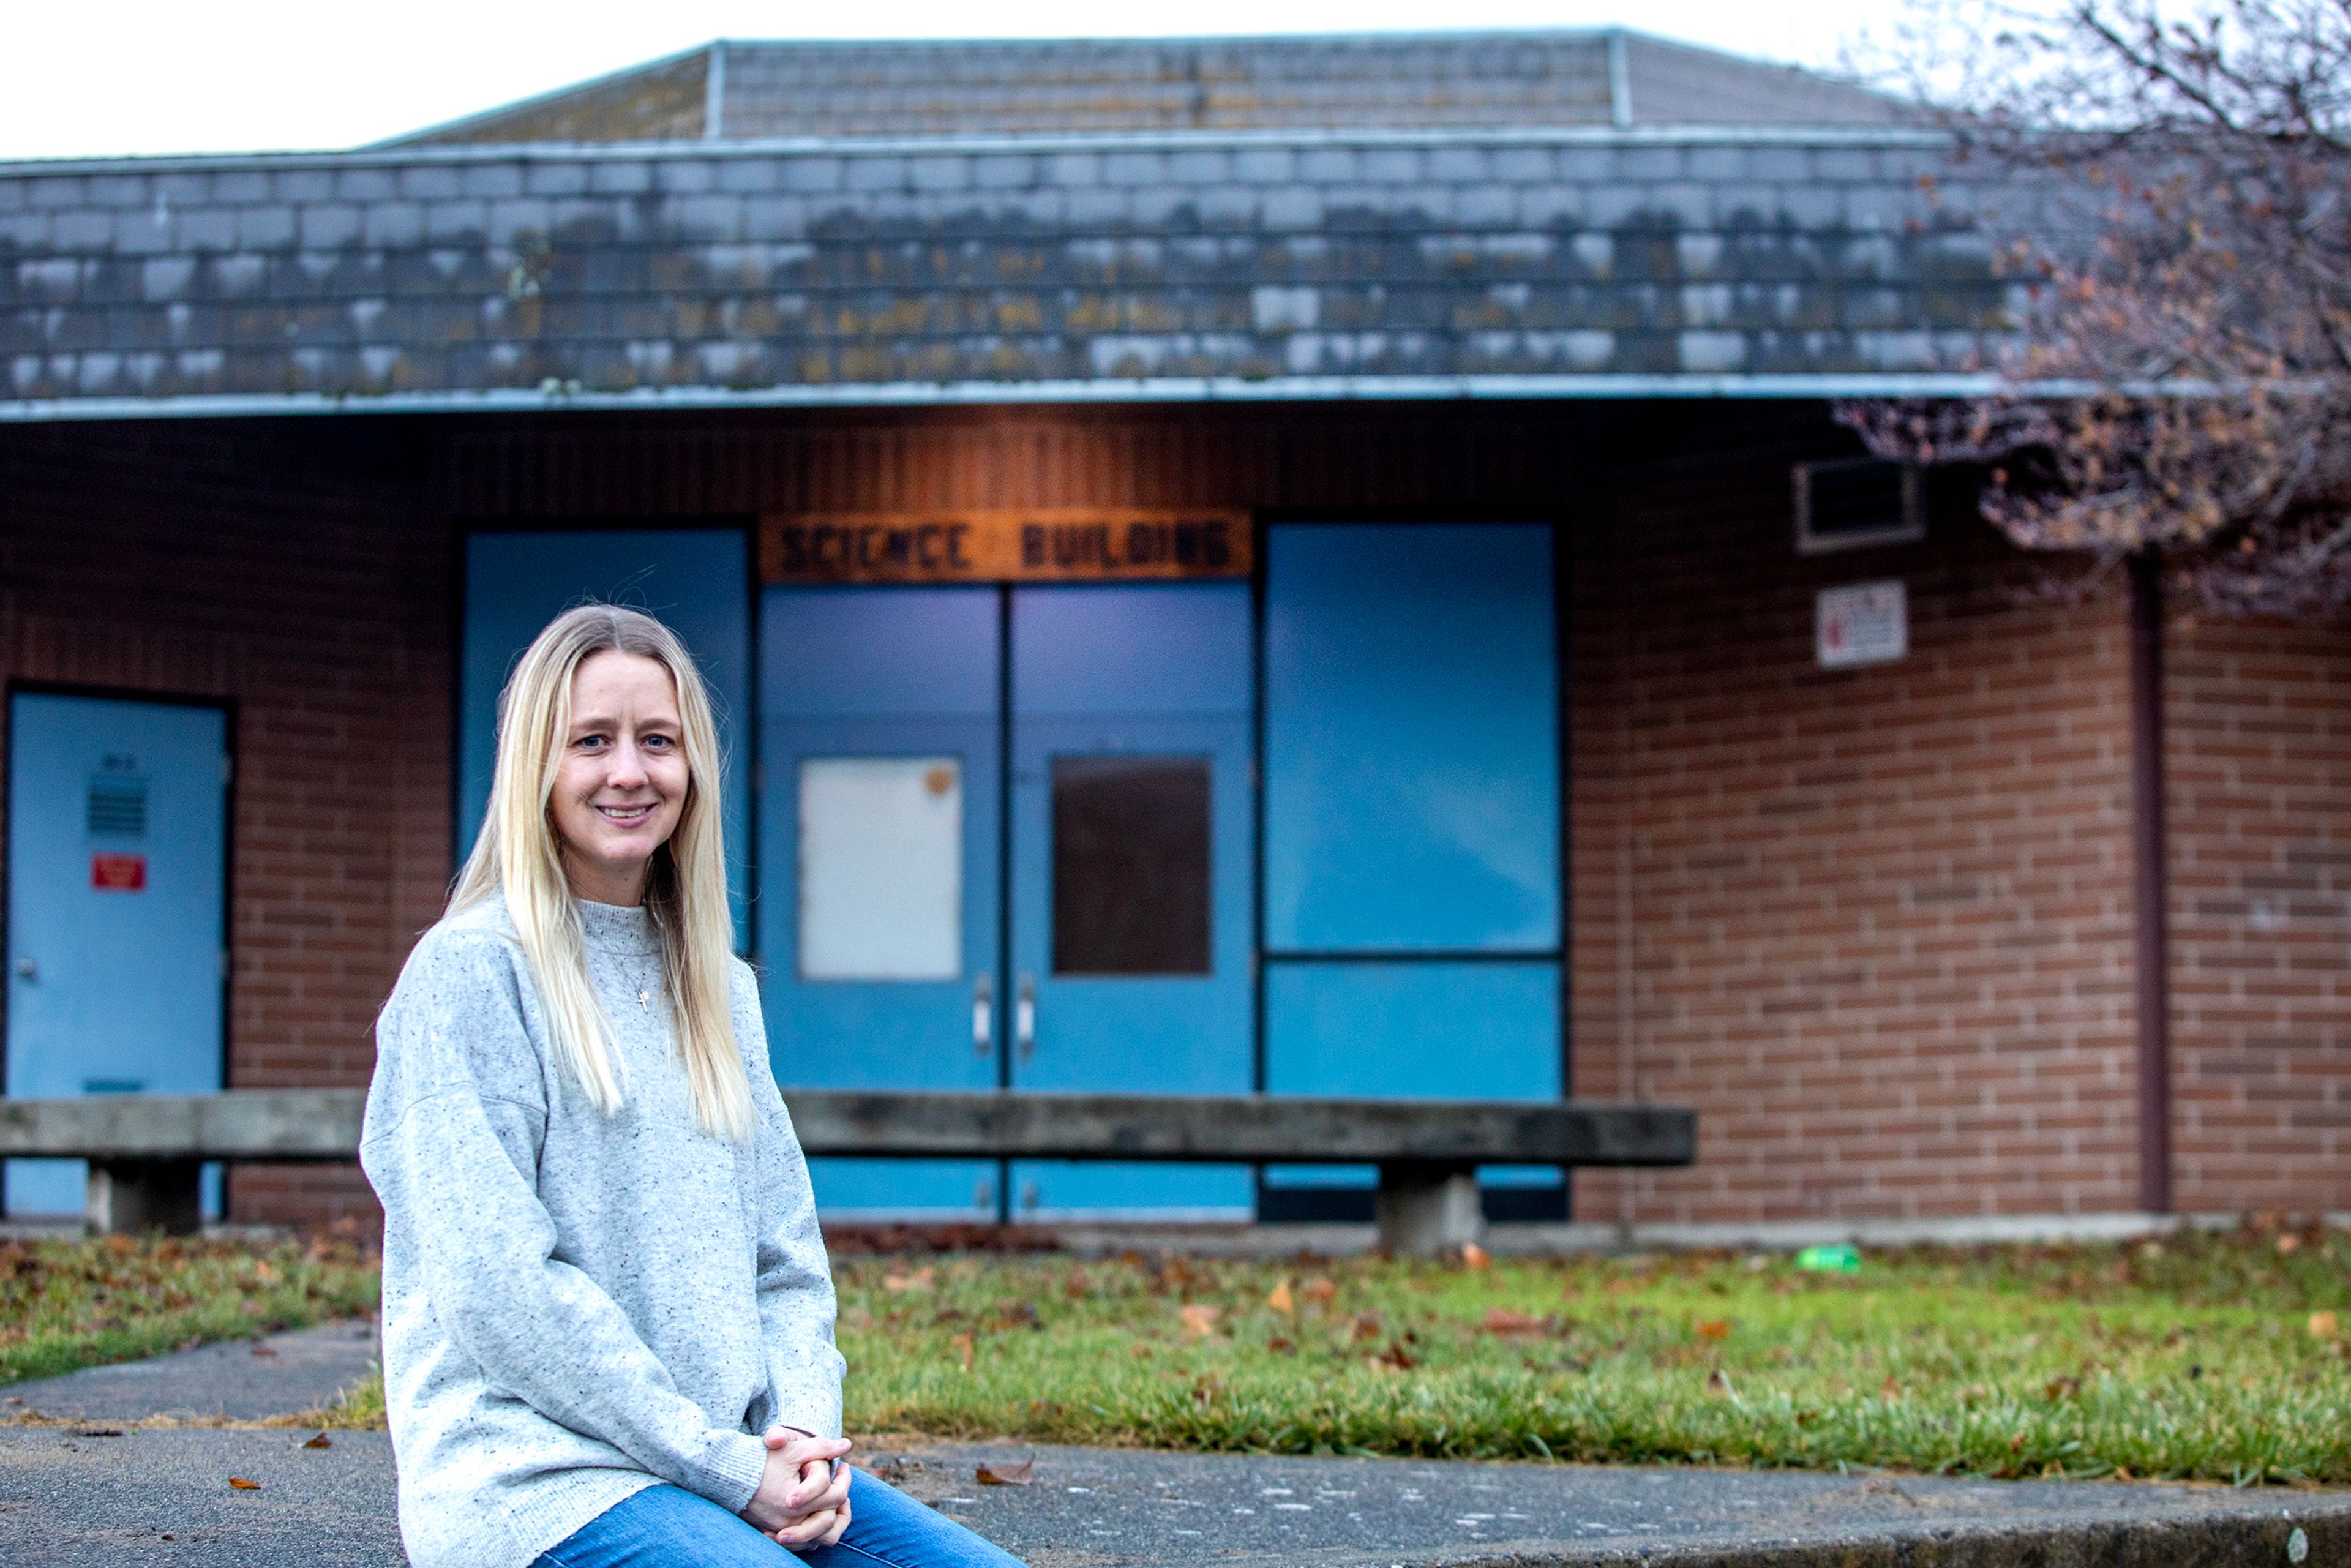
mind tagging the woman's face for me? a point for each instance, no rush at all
(620, 785)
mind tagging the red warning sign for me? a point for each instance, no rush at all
(118, 874)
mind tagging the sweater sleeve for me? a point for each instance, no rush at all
(794, 1277)
(455, 1122)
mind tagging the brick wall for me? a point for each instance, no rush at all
(1875, 925)
(290, 569)
(2258, 730)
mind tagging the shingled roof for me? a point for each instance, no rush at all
(729, 90)
(990, 259)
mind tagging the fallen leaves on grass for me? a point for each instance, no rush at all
(1019, 1473)
(1199, 1319)
(922, 1279)
(1279, 1299)
(1717, 1384)
(966, 1349)
(1714, 1328)
(2322, 1325)
(1320, 1291)
(1476, 1257)
(1504, 1323)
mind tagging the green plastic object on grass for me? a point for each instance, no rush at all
(1830, 1260)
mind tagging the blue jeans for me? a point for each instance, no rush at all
(667, 1527)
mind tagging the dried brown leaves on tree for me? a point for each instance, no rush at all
(2182, 380)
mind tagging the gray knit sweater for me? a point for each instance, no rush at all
(578, 1306)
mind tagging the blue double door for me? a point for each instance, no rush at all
(1005, 842)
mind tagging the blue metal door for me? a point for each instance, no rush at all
(117, 873)
(1130, 887)
(879, 898)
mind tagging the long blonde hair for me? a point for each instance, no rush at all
(518, 853)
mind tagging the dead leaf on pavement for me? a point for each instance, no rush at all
(240, 1484)
(1280, 1301)
(320, 1441)
(263, 1350)
(1019, 1474)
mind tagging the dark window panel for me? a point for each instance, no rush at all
(1131, 865)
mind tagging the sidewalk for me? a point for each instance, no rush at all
(110, 1492)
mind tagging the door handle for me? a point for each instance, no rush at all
(28, 970)
(1024, 1018)
(982, 1016)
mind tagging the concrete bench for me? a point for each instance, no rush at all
(144, 1149)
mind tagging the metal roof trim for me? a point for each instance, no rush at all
(906, 394)
(1172, 141)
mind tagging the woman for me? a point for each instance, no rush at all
(607, 1313)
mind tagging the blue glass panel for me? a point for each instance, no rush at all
(1474, 1030)
(1412, 750)
(117, 858)
(1172, 648)
(878, 651)
(1458, 1031)
(694, 580)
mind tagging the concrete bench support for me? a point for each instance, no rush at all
(1424, 1210)
(128, 1196)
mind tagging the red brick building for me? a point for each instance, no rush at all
(1500, 724)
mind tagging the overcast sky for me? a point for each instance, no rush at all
(184, 76)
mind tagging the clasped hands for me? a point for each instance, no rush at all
(803, 1496)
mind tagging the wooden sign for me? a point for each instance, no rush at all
(1094, 546)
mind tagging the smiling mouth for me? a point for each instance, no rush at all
(626, 816)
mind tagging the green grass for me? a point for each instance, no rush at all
(71, 1305)
(2205, 1358)
(2195, 1359)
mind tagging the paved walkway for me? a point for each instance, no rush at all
(238, 1380)
(112, 1491)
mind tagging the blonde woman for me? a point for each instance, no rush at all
(607, 1313)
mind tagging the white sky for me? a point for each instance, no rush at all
(185, 75)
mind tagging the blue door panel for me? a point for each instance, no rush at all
(1412, 761)
(962, 1190)
(117, 868)
(882, 673)
(876, 1034)
(691, 578)
(1105, 1189)
(1479, 1031)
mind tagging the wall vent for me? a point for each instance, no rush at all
(1850, 503)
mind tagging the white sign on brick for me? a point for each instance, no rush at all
(1862, 624)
